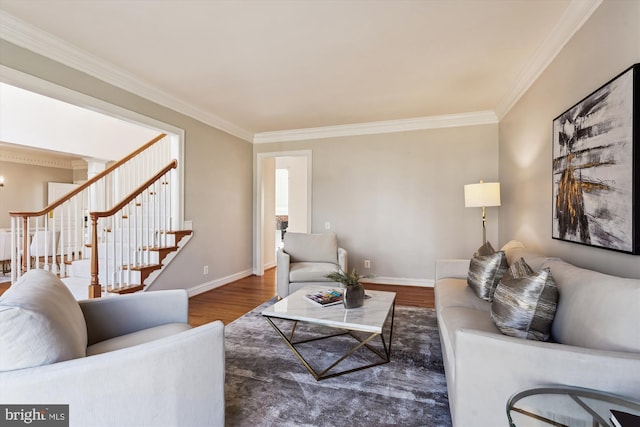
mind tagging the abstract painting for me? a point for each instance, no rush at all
(595, 187)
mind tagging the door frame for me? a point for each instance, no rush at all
(258, 207)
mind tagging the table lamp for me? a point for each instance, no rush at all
(482, 195)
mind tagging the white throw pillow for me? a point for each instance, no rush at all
(40, 323)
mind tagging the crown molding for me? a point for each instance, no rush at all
(78, 164)
(45, 44)
(576, 14)
(36, 159)
(29, 37)
(388, 126)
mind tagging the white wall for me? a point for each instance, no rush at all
(607, 44)
(397, 199)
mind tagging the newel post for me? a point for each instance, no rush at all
(95, 290)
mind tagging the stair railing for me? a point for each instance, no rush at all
(128, 246)
(57, 235)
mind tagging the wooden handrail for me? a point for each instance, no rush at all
(89, 182)
(135, 193)
(95, 289)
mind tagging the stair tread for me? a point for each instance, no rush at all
(160, 248)
(141, 267)
(125, 290)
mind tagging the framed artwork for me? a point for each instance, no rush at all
(596, 161)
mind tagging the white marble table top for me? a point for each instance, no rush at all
(368, 318)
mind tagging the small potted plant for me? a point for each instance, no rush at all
(353, 290)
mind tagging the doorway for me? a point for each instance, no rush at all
(283, 194)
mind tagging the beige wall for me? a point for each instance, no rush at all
(397, 199)
(218, 178)
(607, 44)
(25, 187)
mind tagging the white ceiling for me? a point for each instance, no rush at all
(260, 66)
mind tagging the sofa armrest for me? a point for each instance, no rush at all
(342, 259)
(490, 368)
(283, 260)
(177, 380)
(454, 268)
(111, 317)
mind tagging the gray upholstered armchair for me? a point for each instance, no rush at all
(129, 360)
(306, 259)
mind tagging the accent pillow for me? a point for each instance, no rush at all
(40, 323)
(524, 303)
(485, 271)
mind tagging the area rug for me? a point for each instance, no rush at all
(267, 385)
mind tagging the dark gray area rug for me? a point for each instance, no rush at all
(267, 385)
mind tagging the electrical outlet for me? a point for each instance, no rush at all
(367, 263)
(327, 225)
(205, 270)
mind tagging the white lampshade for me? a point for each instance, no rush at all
(482, 194)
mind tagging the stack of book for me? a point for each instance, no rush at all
(326, 297)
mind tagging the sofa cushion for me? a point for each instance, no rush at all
(595, 310)
(40, 323)
(510, 245)
(135, 338)
(524, 303)
(531, 257)
(303, 247)
(451, 292)
(485, 271)
(311, 271)
(456, 318)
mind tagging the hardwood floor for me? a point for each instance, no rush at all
(231, 301)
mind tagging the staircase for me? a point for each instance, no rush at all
(116, 231)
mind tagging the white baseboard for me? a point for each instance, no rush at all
(383, 280)
(204, 287)
(403, 281)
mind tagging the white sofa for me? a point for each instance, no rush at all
(595, 340)
(131, 360)
(306, 259)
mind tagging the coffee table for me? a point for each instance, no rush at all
(363, 324)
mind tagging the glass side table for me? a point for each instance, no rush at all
(564, 406)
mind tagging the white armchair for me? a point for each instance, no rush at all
(116, 361)
(306, 259)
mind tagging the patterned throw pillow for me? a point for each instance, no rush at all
(485, 271)
(524, 303)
